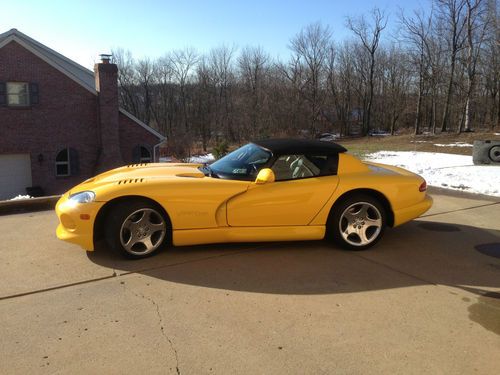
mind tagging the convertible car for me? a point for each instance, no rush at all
(270, 190)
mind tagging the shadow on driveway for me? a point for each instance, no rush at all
(417, 253)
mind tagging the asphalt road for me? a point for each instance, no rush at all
(426, 299)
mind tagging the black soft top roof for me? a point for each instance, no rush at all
(300, 146)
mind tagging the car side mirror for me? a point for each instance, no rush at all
(265, 176)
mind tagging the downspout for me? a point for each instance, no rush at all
(154, 150)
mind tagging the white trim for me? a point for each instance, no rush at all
(140, 123)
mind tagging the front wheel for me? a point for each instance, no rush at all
(358, 222)
(137, 229)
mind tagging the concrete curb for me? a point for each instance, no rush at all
(28, 205)
(461, 194)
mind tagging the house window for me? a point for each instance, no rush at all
(63, 163)
(18, 94)
(145, 155)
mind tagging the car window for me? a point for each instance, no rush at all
(291, 167)
(288, 167)
(242, 164)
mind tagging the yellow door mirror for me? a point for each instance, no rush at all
(265, 176)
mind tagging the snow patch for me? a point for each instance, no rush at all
(201, 159)
(20, 197)
(448, 171)
(455, 144)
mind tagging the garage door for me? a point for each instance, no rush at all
(15, 175)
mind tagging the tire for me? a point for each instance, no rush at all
(136, 229)
(486, 152)
(357, 222)
(495, 154)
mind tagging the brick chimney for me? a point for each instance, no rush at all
(106, 83)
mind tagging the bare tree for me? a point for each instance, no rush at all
(254, 66)
(289, 82)
(491, 63)
(183, 63)
(222, 71)
(445, 61)
(453, 21)
(396, 77)
(310, 48)
(126, 79)
(162, 107)
(205, 102)
(476, 27)
(145, 81)
(416, 33)
(369, 35)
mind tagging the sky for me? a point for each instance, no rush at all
(83, 29)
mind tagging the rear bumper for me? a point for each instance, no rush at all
(406, 214)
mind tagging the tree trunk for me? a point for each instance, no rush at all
(467, 115)
(370, 95)
(419, 109)
(433, 113)
(449, 92)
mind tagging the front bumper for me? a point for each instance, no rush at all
(76, 221)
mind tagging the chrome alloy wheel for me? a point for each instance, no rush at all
(360, 224)
(143, 231)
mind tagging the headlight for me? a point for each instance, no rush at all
(82, 197)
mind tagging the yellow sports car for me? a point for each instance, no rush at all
(270, 190)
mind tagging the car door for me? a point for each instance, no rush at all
(300, 191)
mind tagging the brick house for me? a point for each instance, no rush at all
(60, 123)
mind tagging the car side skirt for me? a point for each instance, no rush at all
(187, 237)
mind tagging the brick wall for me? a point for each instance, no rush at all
(132, 135)
(66, 116)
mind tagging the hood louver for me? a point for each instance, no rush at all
(137, 165)
(130, 181)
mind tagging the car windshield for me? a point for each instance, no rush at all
(241, 164)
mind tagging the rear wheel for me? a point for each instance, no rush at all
(358, 222)
(136, 229)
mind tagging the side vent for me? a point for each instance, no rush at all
(130, 181)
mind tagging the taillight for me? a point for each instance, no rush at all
(423, 186)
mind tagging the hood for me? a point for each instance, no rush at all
(134, 173)
(151, 170)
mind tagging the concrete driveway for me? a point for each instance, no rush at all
(426, 299)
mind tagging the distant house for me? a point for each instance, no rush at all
(60, 123)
